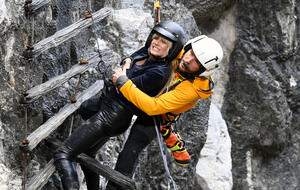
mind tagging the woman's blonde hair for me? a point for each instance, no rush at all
(172, 67)
(170, 79)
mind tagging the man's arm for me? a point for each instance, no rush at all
(154, 79)
(182, 98)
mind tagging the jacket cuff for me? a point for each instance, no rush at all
(121, 81)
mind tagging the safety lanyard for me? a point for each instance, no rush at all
(157, 126)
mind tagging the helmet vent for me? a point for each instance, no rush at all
(199, 39)
(213, 59)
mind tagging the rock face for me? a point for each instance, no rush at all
(257, 90)
(262, 99)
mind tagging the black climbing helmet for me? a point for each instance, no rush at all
(173, 32)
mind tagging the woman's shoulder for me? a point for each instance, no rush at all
(141, 53)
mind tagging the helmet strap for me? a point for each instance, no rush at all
(187, 48)
(200, 71)
(188, 76)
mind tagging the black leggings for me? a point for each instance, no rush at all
(141, 135)
(111, 119)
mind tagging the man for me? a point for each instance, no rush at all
(198, 60)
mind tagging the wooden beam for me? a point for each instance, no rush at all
(106, 171)
(68, 32)
(33, 6)
(57, 81)
(41, 178)
(51, 124)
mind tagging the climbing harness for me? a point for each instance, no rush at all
(162, 151)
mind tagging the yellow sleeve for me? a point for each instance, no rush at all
(173, 100)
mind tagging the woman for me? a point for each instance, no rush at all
(111, 114)
(198, 60)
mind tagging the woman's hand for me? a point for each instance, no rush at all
(117, 73)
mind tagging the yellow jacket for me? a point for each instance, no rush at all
(182, 98)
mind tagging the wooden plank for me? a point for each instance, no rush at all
(106, 171)
(68, 32)
(51, 124)
(57, 81)
(41, 178)
(35, 5)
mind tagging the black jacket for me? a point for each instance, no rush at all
(116, 110)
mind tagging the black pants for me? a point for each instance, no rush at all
(141, 135)
(112, 118)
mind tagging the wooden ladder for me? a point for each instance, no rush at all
(33, 139)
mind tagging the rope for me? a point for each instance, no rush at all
(90, 5)
(98, 46)
(74, 100)
(71, 125)
(28, 10)
(25, 142)
(156, 4)
(83, 61)
(170, 179)
(28, 2)
(30, 42)
(32, 31)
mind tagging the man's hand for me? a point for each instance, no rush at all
(126, 63)
(117, 73)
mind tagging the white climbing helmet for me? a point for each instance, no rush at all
(208, 52)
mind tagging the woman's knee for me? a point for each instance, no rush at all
(62, 152)
(89, 107)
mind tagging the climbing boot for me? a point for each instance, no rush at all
(67, 171)
(176, 145)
